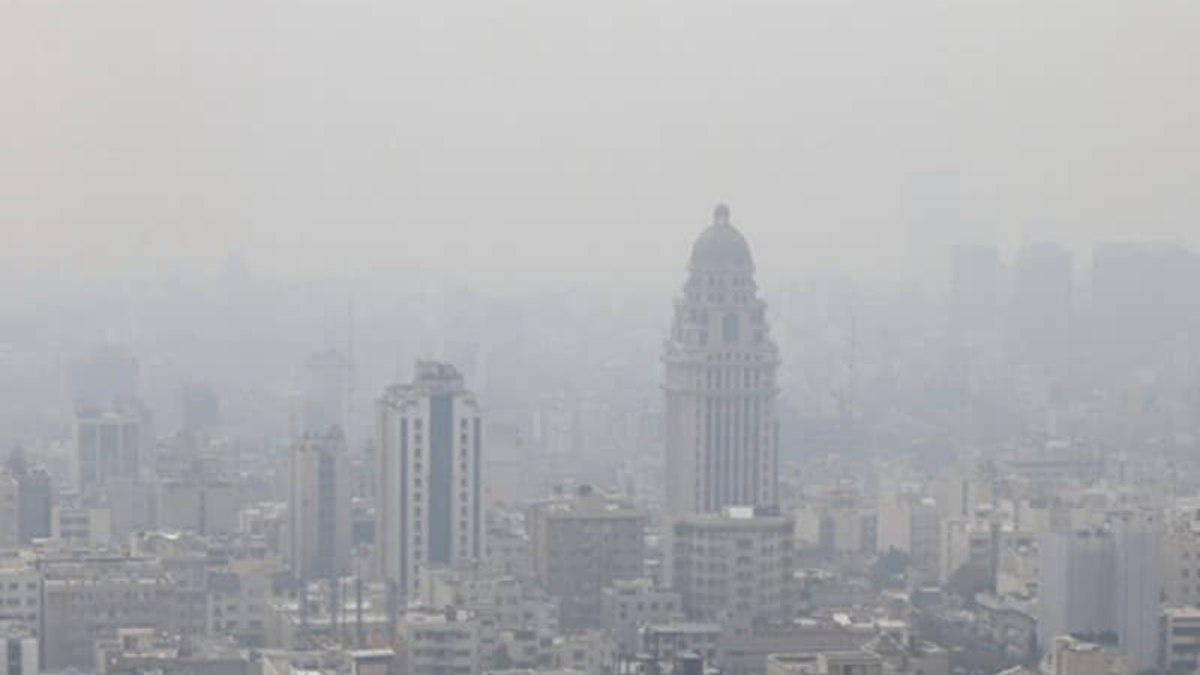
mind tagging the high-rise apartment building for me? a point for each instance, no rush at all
(327, 394)
(722, 435)
(1074, 570)
(319, 505)
(1139, 568)
(1097, 582)
(111, 442)
(429, 472)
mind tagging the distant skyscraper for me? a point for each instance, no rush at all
(722, 435)
(1142, 295)
(428, 468)
(1043, 303)
(36, 504)
(319, 505)
(327, 392)
(34, 497)
(110, 442)
(10, 515)
(976, 288)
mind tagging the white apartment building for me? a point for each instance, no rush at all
(429, 466)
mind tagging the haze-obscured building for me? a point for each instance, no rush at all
(319, 505)
(720, 365)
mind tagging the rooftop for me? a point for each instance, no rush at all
(720, 246)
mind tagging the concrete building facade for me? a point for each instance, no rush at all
(429, 468)
(734, 568)
(319, 505)
(581, 544)
(720, 365)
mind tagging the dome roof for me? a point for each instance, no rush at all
(720, 245)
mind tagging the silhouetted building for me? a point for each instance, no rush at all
(110, 442)
(10, 516)
(327, 393)
(1142, 295)
(1042, 304)
(976, 288)
(35, 503)
(429, 467)
(722, 433)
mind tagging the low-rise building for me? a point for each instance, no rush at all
(628, 605)
(20, 649)
(442, 643)
(20, 594)
(91, 598)
(1180, 640)
(856, 662)
(88, 525)
(140, 650)
(664, 642)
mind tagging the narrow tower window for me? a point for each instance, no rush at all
(729, 328)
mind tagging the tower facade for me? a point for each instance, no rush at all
(428, 468)
(110, 444)
(720, 364)
(319, 506)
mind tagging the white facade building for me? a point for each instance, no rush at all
(429, 472)
(1139, 552)
(720, 364)
(1105, 581)
(1076, 575)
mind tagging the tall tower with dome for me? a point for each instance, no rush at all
(720, 365)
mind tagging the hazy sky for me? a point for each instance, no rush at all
(517, 139)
